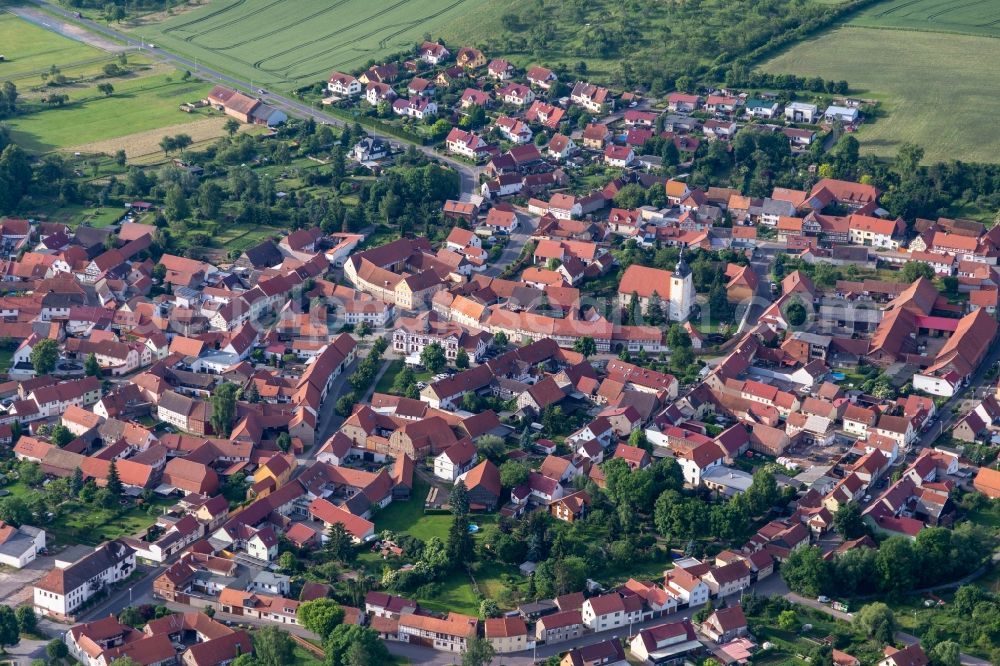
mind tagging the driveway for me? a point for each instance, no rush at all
(15, 584)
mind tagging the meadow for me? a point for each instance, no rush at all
(937, 90)
(286, 45)
(29, 49)
(977, 17)
(139, 104)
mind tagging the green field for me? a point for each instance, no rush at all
(971, 17)
(937, 90)
(138, 104)
(28, 48)
(290, 44)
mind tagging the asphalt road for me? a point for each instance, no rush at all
(469, 176)
(525, 227)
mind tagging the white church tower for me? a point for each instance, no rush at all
(681, 291)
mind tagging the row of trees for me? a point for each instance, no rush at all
(937, 555)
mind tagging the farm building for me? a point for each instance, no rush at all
(244, 108)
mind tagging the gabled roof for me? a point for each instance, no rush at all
(729, 619)
(485, 475)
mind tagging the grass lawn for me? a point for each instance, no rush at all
(5, 357)
(395, 367)
(137, 105)
(409, 516)
(241, 237)
(918, 77)
(457, 592)
(456, 595)
(385, 382)
(988, 517)
(28, 48)
(76, 214)
(287, 45)
(95, 525)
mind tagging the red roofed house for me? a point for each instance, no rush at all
(450, 634)
(507, 634)
(618, 156)
(483, 485)
(987, 482)
(466, 144)
(455, 460)
(633, 456)
(725, 624)
(670, 643)
(330, 514)
(679, 101)
(911, 655)
(609, 611)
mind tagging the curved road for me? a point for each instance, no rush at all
(469, 176)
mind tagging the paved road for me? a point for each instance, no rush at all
(815, 605)
(294, 108)
(139, 592)
(525, 227)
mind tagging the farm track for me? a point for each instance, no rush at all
(42, 70)
(953, 7)
(238, 19)
(335, 5)
(206, 17)
(902, 5)
(386, 10)
(382, 42)
(936, 16)
(385, 40)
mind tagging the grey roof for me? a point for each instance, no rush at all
(17, 544)
(728, 477)
(263, 255)
(105, 557)
(271, 579)
(177, 403)
(777, 207)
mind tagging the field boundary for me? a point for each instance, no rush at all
(837, 18)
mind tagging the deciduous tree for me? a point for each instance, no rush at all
(877, 621)
(320, 616)
(273, 647)
(432, 357)
(44, 356)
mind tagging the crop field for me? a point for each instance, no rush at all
(937, 90)
(142, 144)
(290, 44)
(970, 17)
(29, 49)
(139, 104)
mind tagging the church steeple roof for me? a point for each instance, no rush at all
(682, 270)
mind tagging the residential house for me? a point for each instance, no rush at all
(669, 643)
(609, 611)
(63, 590)
(450, 634)
(725, 624)
(506, 634)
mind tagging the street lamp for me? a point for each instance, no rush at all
(130, 596)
